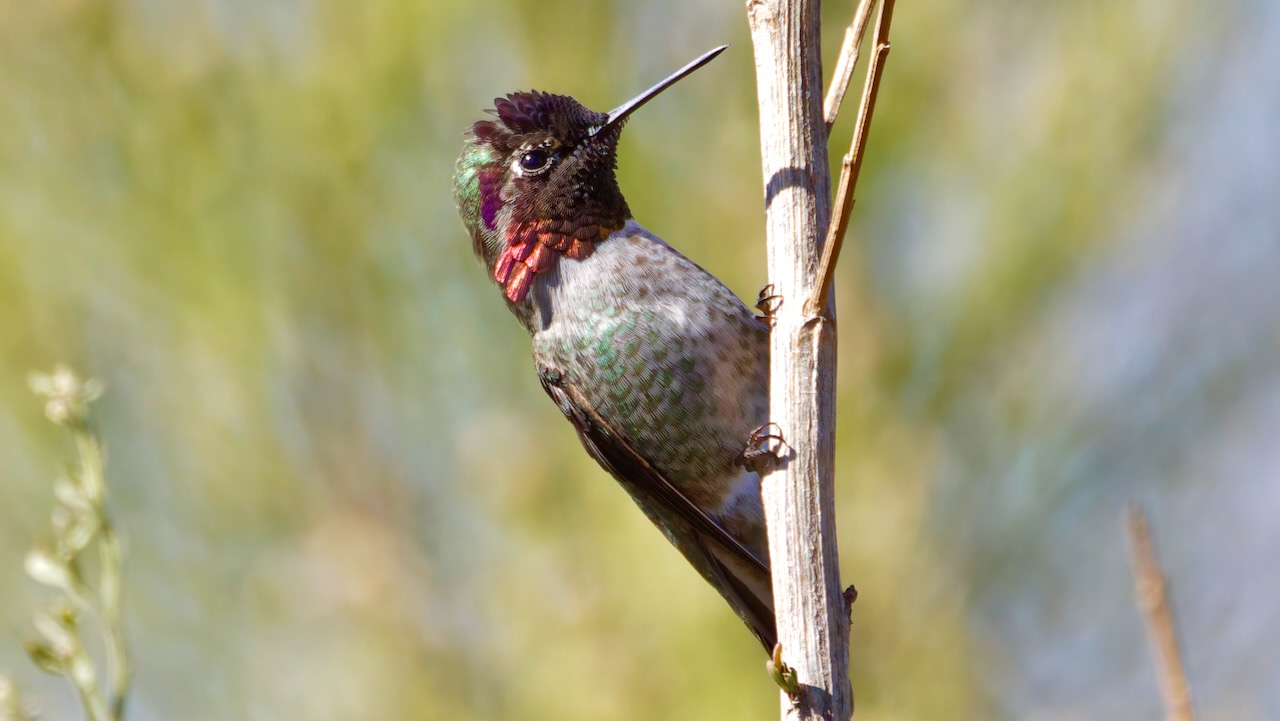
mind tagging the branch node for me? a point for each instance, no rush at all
(782, 674)
(850, 597)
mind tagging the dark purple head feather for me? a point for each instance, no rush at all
(521, 116)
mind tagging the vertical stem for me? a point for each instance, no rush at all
(813, 627)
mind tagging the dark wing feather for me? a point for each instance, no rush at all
(648, 486)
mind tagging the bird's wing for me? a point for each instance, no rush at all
(739, 574)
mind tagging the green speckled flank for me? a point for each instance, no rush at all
(609, 348)
(652, 385)
(680, 373)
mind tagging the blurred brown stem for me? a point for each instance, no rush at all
(1151, 590)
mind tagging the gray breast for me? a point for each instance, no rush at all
(663, 350)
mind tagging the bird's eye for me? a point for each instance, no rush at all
(534, 160)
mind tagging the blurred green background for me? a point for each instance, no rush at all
(345, 495)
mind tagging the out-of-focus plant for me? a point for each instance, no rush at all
(81, 530)
(11, 706)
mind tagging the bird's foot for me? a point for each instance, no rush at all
(764, 448)
(768, 303)
(782, 674)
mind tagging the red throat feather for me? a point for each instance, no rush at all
(533, 248)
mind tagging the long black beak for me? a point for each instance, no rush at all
(620, 113)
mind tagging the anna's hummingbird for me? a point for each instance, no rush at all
(662, 370)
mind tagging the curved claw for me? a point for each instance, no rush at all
(764, 448)
(765, 292)
(768, 302)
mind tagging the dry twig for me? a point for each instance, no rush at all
(810, 605)
(813, 622)
(845, 64)
(1151, 589)
(851, 166)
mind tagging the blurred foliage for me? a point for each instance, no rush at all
(83, 562)
(11, 705)
(344, 495)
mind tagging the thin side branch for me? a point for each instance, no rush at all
(845, 64)
(1151, 590)
(851, 165)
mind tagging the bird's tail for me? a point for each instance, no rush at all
(749, 590)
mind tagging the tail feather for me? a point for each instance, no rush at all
(750, 592)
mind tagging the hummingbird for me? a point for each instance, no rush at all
(661, 369)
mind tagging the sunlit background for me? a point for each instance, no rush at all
(346, 497)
